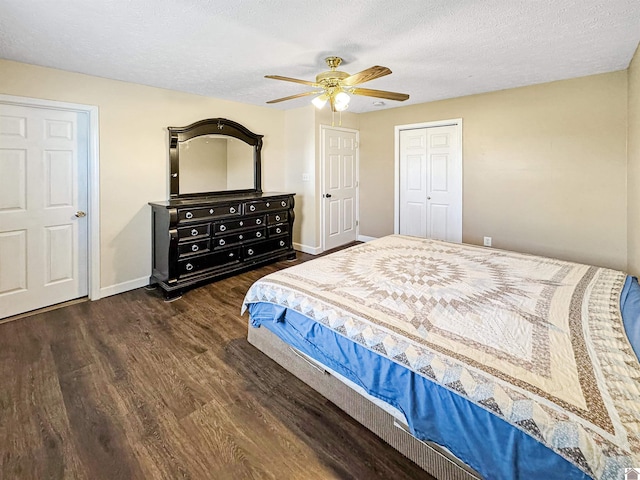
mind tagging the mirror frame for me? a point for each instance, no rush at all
(217, 126)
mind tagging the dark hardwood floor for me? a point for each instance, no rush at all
(131, 387)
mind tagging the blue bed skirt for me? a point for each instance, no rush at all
(488, 444)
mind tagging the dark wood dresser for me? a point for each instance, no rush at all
(202, 239)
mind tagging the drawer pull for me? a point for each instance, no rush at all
(282, 244)
(231, 254)
(252, 208)
(277, 218)
(188, 215)
(194, 232)
(232, 210)
(211, 211)
(258, 234)
(241, 223)
(194, 248)
(188, 267)
(221, 242)
(250, 251)
(240, 237)
(258, 221)
(268, 204)
(283, 203)
(222, 228)
(278, 230)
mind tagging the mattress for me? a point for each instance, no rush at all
(328, 310)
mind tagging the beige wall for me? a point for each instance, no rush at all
(134, 160)
(302, 140)
(300, 158)
(633, 172)
(544, 167)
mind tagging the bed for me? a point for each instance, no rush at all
(473, 362)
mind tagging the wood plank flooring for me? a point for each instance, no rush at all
(131, 387)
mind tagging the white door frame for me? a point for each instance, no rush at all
(93, 181)
(323, 129)
(456, 122)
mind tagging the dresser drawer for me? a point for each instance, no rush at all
(228, 240)
(276, 230)
(266, 205)
(279, 217)
(193, 232)
(192, 248)
(199, 263)
(227, 226)
(201, 213)
(263, 248)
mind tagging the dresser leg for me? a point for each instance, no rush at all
(169, 299)
(171, 295)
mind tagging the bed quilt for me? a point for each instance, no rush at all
(536, 341)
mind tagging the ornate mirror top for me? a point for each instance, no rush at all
(212, 157)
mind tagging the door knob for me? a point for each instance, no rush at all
(327, 195)
(80, 214)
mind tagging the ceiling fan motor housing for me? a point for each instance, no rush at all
(331, 78)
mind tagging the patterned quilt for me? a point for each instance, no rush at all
(538, 342)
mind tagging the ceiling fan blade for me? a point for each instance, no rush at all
(366, 75)
(367, 92)
(298, 95)
(289, 79)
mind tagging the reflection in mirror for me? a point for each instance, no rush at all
(215, 163)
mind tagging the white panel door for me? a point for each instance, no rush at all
(413, 182)
(431, 183)
(43, 187)
(339, 190)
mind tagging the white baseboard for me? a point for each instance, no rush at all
(307, 249)
(364, 238)
(123, 287)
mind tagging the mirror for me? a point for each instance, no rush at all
(213, 157)
(215, 163)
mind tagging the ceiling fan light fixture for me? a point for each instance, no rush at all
(342, 100)
(320, 101)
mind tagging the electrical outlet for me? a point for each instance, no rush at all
(305, 177)
(487, 241)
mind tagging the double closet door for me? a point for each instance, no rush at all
(430, 183)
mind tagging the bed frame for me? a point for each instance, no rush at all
(427, 455)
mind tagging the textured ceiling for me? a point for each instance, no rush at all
(436, 48)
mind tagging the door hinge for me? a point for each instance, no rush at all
(357, 222)
(356, 145)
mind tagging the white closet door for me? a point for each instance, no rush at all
(413, 182)
(431, 183)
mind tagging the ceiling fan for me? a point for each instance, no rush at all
(334, 86)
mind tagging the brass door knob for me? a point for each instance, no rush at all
(80, 214)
